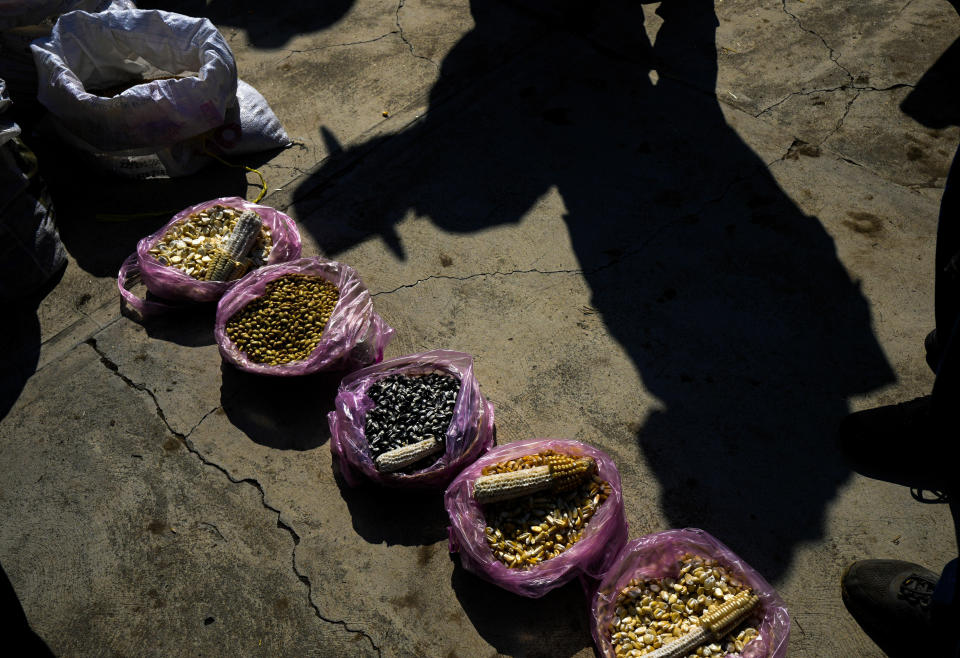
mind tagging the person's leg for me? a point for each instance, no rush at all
(947, 299)
(946, 388)
(945, 398)
(881, 443)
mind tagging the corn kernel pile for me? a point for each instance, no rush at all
(409, 409)
(191, 244)
(287, 322)
(652, 613)
(527, 531)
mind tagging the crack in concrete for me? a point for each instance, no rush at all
(213, 527)
(185, 439)
(843, 117)
(72, 326)
(291, 52)
(476, 275)
(736, 181)
(797, 148)
(828, 90)
(904, 8)
(879, 174)
(86, 315)
(653, 235)
(280, 166)
(300, 173)
(403, 38)
(834, 57)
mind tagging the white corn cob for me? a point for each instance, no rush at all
(398, 458)
(235, 247)
(713, 625)
(562, 472)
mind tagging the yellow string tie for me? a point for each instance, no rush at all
(263, 182)
(123, 217)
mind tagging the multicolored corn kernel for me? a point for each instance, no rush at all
(649, 614)
(192, 244)
(524, 532)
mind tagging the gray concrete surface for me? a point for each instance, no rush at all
(698, 255)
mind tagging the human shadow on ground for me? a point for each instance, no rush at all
(21, 336)
(405, 517)
(268, 25)
(729, 300)
(190, 325)
(514, 626)
(17, 630)
(935, 100)
(101, 216)
(285, 413)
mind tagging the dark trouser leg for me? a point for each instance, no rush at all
(878, 442)
(947, 300)
(946, 388)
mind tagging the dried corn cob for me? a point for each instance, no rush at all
(528, 531)
(403, 456)
(561, 472)
(651, 614)
(714, 624)
(235, 248)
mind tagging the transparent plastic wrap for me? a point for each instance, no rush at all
(169, 283)
(469, 435)
(353, 337)
(657, 555)
(591, 556)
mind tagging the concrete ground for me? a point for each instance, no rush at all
(693, 234)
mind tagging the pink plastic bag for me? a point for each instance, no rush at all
(355, 334)
(172, 285)
(605, 534)
(656, 556)
(469, 436)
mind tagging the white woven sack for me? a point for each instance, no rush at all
(17, 13)
(163, 127)
(96, 51)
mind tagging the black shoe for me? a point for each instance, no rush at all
(900, 443)
(892, 602)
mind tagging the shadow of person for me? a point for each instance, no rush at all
(935, 100)
(190, 325)
(268, 25)
(101, 217)
(514, 626)
(21, 336)
(285, 413)
(16, 627)
(730, 301)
